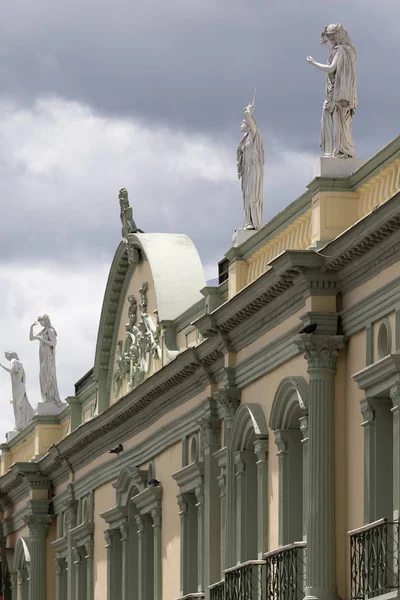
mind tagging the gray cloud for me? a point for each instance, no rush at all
(194, 64)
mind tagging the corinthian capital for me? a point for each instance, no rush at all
(229, 400)
(320, 351)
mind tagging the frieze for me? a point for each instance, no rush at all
(142, 344)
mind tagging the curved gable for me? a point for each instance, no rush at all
(170, 267)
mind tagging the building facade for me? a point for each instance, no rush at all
(273, 456)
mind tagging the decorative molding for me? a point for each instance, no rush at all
(320, 351)
(384, 330)
(367, 412)
(149, 501)
(379, 378)
(281, 441)
(189, 478)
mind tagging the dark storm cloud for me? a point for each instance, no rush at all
(194, 64)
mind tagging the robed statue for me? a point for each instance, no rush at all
(340, 93)
(47, 338)
(250, 166)
(23, 411)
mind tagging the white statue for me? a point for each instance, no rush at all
(340, 93)
(23, 411)
(250, 165)
(48, 378)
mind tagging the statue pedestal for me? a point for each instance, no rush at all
(48, 408)
(336, 167)
(241, 235)
(11, 434)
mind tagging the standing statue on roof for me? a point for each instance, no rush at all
(128, 224)
(47, 338)
(340, 93)
(250, 166)
(23, 411)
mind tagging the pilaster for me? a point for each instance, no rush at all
(125, 541)
(211, 436)
(395, 397)
(306, 483)
(261, 451)
(156, 516)
(321, 353)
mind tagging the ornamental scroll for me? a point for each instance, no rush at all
(141, 346)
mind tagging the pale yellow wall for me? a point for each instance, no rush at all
(354, 474)
(13, 538)
(104, 499)
(50, 558)
(271, 335)
(167, 463)
(367, 288)
(262, 392)
(141, 274)
(149, 432)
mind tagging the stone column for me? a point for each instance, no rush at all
(156, 516)
(125, 541)
(229, 400)
(395, 397)
(183, 514)
(200, 537)
(368, 424)
(14, 586)
(38, 528)
(71, 522)
(211, 435)
(89, 557)
(261, 450)
(78, 567)
(142, 573)
(241, 525)
(60, 574)
(108, 539)
(321, 353)
(306, 483)
(222, 495)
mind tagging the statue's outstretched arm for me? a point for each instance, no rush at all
(5, 368)
(325, 68)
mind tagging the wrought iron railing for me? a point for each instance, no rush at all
(374, 559)
(245, 581)
(286, 572)
(217, 590)
(194, 596)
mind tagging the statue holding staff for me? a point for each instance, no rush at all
(340, 93)
(47, 357)
(23, 411)
(250, 166)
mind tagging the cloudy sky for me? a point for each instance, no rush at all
(96, 96)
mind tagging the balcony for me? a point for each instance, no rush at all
(196, 596)
(374, 559)
(217, 590)
(286, 572)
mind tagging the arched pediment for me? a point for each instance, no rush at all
(129, 479)
(249, 421)
(22, 555)
(169, 268)
(290, 398)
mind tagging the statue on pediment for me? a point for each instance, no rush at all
(336, 139)
(23, 411)
(128, 223)
(47, 338)
(250, 167)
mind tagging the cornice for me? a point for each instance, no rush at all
(148, 500)
(330, 184)
(60, 545)
(379, 161)
(364, 235)
(82, 532)
(189, 477)
(378, 378)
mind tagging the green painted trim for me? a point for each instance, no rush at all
(379, 161)
(369, 345)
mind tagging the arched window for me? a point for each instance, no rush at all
(288, 420)
(247, 471)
